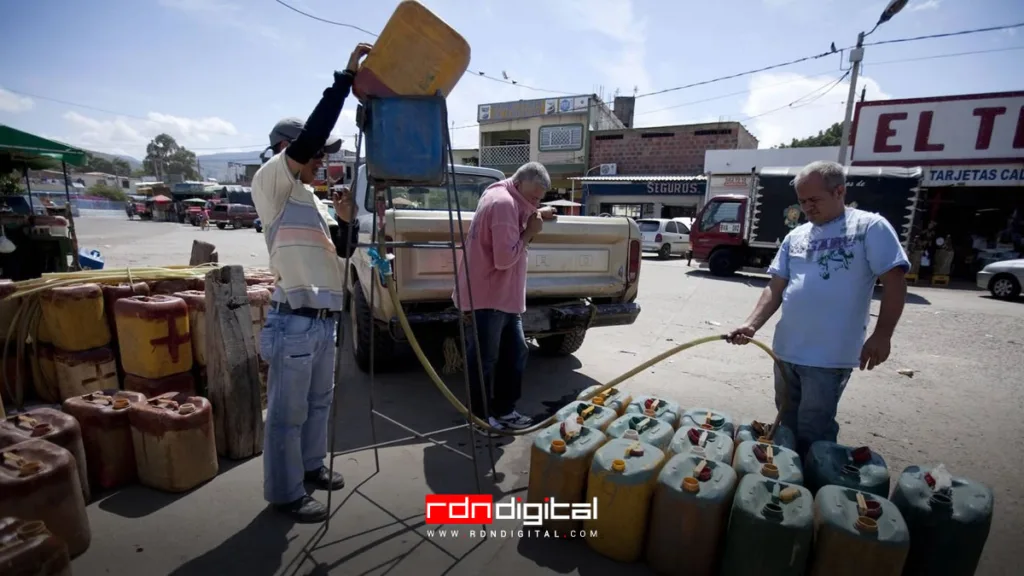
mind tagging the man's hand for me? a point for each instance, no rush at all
(548, 213)
(741, 335)
(875, 351)
(361, 50)
(343, 205)
(533, 226)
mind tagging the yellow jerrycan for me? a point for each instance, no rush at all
(559, 464)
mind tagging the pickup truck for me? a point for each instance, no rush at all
(583, 272)
(237, 215)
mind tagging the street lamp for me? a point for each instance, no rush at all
(856, 56)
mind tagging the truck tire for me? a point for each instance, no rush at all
(236, 224)
(562, 344)
(360, 322)
(221, 225)
(664, 252)
(722, 263)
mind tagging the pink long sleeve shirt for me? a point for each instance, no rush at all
(496, 253)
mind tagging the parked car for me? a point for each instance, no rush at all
(237, 215)
(666, 237)
(1003, 279)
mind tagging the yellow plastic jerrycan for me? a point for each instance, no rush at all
(611, 398)
(559, 464)
(416, 54)
(622, 479)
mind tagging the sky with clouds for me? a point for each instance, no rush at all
(109, 75)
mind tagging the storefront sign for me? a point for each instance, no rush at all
(951, 130)
(979, 175)
(731, 182)
(688, 188)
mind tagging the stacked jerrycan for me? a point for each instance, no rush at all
(708, 419)
(156, 344)
(689, 516)
(559, 465)
(770, 461)
(665, 410)
(949, 520)
(611, 398)
(704, 443)
(622, 479)
(653, 431)
(760, 431)
(857, 468)
(770, 530)
(53, 426)
(587, 414)
(857, 533)
(83, 358)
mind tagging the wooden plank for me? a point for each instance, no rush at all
(232, 368)
(202, 253)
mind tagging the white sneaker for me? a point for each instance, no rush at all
(514, 420)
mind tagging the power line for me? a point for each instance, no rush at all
(324, 20)
(945, 34)
(938, 56)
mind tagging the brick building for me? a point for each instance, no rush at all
(655, 172)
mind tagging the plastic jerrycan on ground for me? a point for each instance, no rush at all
(949, 520)
(858, 468)
(106, 435)
(709, 420)
(74, 317)
(857, 533)
(53, 426)
(655, 407)
(688, 516)
(611, 398)
(622, 479)
(706, 443)
(559, 465)
(416, 54)
(653, 431)
(592, 415)
(770, 529)
(29, 548)
(770, 461)
(758, 430)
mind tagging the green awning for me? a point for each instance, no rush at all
(21, 146)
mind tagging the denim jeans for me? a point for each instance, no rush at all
(300, 352)
(814, 395)
(503, 352)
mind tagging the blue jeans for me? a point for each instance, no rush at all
(503, 352)
(300, 352)
(814, 395)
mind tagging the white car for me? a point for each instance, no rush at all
(1003, 279)
(666, 237)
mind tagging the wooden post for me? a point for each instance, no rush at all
(232, 369)
(202, 253)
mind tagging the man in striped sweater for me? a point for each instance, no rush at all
(298, 338)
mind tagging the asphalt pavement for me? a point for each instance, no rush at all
(962, 407)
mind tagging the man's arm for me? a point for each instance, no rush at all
(889, 263)
(508, 243)
(770, 300)
(345, 237)
(321, 122)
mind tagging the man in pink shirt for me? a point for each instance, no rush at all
(505, 222)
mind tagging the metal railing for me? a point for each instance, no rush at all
(514, 155)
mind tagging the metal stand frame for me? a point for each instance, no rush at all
(382, 199)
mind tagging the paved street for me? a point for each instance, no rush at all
(962, 407)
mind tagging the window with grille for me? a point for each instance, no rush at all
(568, 137)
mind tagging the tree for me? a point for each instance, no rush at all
(830, 137)
(164, 156)
(10, 185)
(108, 192)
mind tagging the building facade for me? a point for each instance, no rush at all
(731, 171)
(971, 149)
(655, 172)
(552, 131)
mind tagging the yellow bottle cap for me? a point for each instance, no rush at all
(32, 528)
(770, 471)
(558, 446)
(865, 524)
(691, 485)
(597, 400)
(120, 403)
(789, 494)
(618, 465)
(186, 408)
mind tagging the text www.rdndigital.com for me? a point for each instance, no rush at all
(521, 533)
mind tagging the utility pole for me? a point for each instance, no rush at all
(856, 57)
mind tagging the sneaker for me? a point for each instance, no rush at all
(324, 479)
(514, 420)
(488, 432)
(305, 510)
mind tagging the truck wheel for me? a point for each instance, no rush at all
(562, 344)
(1004, 287)
(664, 252)
(236, 224)
(221, 225)
(361, 319)
(722, 263)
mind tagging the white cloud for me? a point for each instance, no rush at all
(220, 13)
(130, 136)
(622, 64)
(814, 110)
(11, 102)
(926, 5)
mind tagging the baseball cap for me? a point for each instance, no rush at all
(290, 128)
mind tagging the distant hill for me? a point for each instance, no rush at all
(134, 163)
(216, 165)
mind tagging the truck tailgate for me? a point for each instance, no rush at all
(573, 257)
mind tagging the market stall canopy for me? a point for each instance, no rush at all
(562, 203)
(161, 199)
(17, 147)
(194, 201)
